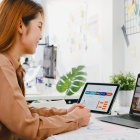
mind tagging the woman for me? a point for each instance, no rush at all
(20, 31)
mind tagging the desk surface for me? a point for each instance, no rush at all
(49, 93)
(98, 130)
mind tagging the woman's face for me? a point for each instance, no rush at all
(31, 34)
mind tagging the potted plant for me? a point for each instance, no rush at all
(72, 81)
(127, 85)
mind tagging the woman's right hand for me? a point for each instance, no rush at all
(83, 113)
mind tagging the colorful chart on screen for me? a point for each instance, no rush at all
(99, 97)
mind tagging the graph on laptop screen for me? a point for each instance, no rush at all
(98, 97)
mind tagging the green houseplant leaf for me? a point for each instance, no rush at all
(72, 81)
(126, 81)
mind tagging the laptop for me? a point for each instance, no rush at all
(133, 118)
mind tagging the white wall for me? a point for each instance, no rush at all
(125, 59)
(107, 57)
(102, 59)
(118, 46)
(98, 57)
(132, 57)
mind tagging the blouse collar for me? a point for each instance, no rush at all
(14, 62)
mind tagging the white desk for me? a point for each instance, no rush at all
(98, 130)
(49, 93)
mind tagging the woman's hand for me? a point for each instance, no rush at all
(74, 106)
(84, 114)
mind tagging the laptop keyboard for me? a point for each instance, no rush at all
(129, 117)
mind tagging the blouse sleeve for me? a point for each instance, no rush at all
(16, 116)
(47, 112)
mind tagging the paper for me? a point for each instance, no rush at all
(100, 131)
(122, 135)
(136, 8)
(130, 9)
(133, 51)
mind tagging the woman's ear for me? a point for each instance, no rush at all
(21, 27)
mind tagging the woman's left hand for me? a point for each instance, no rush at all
(74, 106)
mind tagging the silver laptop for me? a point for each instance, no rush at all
(133, 118)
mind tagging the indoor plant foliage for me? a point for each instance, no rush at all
(72, 81)
(126, 81)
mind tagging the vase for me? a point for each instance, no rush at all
(125, 97)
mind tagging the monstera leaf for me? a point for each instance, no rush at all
(72, 81)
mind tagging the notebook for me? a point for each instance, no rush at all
(133, 118)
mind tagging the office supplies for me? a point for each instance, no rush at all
(99, 97)
(133, 118)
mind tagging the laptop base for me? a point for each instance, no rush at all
(120, 120)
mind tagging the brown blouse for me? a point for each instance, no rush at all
(17, 120)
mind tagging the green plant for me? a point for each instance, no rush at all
(72, 81)
(126, 81)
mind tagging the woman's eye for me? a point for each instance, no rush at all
(39, 27)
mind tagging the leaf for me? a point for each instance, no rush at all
(60, 89)
(69, 93)
(81, 73)
(126, 81)
(80, 78)
(77, 83)
(80, 67)
(72, 81)
(74, 89)
(69, 75)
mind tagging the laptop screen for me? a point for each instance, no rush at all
(135, 106)
(98, 97)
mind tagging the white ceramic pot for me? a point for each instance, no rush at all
(125, 97)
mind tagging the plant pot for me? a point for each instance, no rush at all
(125, 97)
